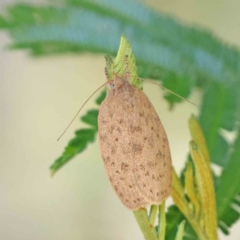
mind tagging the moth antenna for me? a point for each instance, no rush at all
(82, 108)
(169, 91)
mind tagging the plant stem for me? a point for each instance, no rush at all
(147, 229)
(161, 222)
(153, 214)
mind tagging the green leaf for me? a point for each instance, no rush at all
(174, 48)
(3, 23)
(228, 187)
(219, 154)
(86, 133)
(76, 145)
(91, 118)
(231, 216)
(189, 234)
(223, 228)
(174, 217)
(218, 99)
(25, 15)
(101, 97)
(193, 56)
(230, 107)
(180, 85)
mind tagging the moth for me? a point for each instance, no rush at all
(134, 146)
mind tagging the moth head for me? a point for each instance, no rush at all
(117, 82)
(111, 85)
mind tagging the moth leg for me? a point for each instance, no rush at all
(106, 73)
(127, 73)
(111, 83)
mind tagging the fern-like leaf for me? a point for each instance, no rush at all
(228, 189)
(82, 138)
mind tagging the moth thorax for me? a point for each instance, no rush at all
(118, 81)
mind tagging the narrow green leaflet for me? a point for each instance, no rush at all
(91, 118)
(231, 102)
(218, 99)
(228, 188)
(82, 138)
(174, 217)
(231, 216)
(3, 22)
(189, 234)
(101, 97)
(180, 85)
(220, 150)
(75, 146)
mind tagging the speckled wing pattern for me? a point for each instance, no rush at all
(134, 147)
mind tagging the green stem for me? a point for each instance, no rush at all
(153, 214)
(147, 229)
(180, 232)
(161, 222)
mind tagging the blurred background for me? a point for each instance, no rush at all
(38, 98)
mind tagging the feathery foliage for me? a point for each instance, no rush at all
(180, 56)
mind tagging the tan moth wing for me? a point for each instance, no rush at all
(134, 147)
(151, 153)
